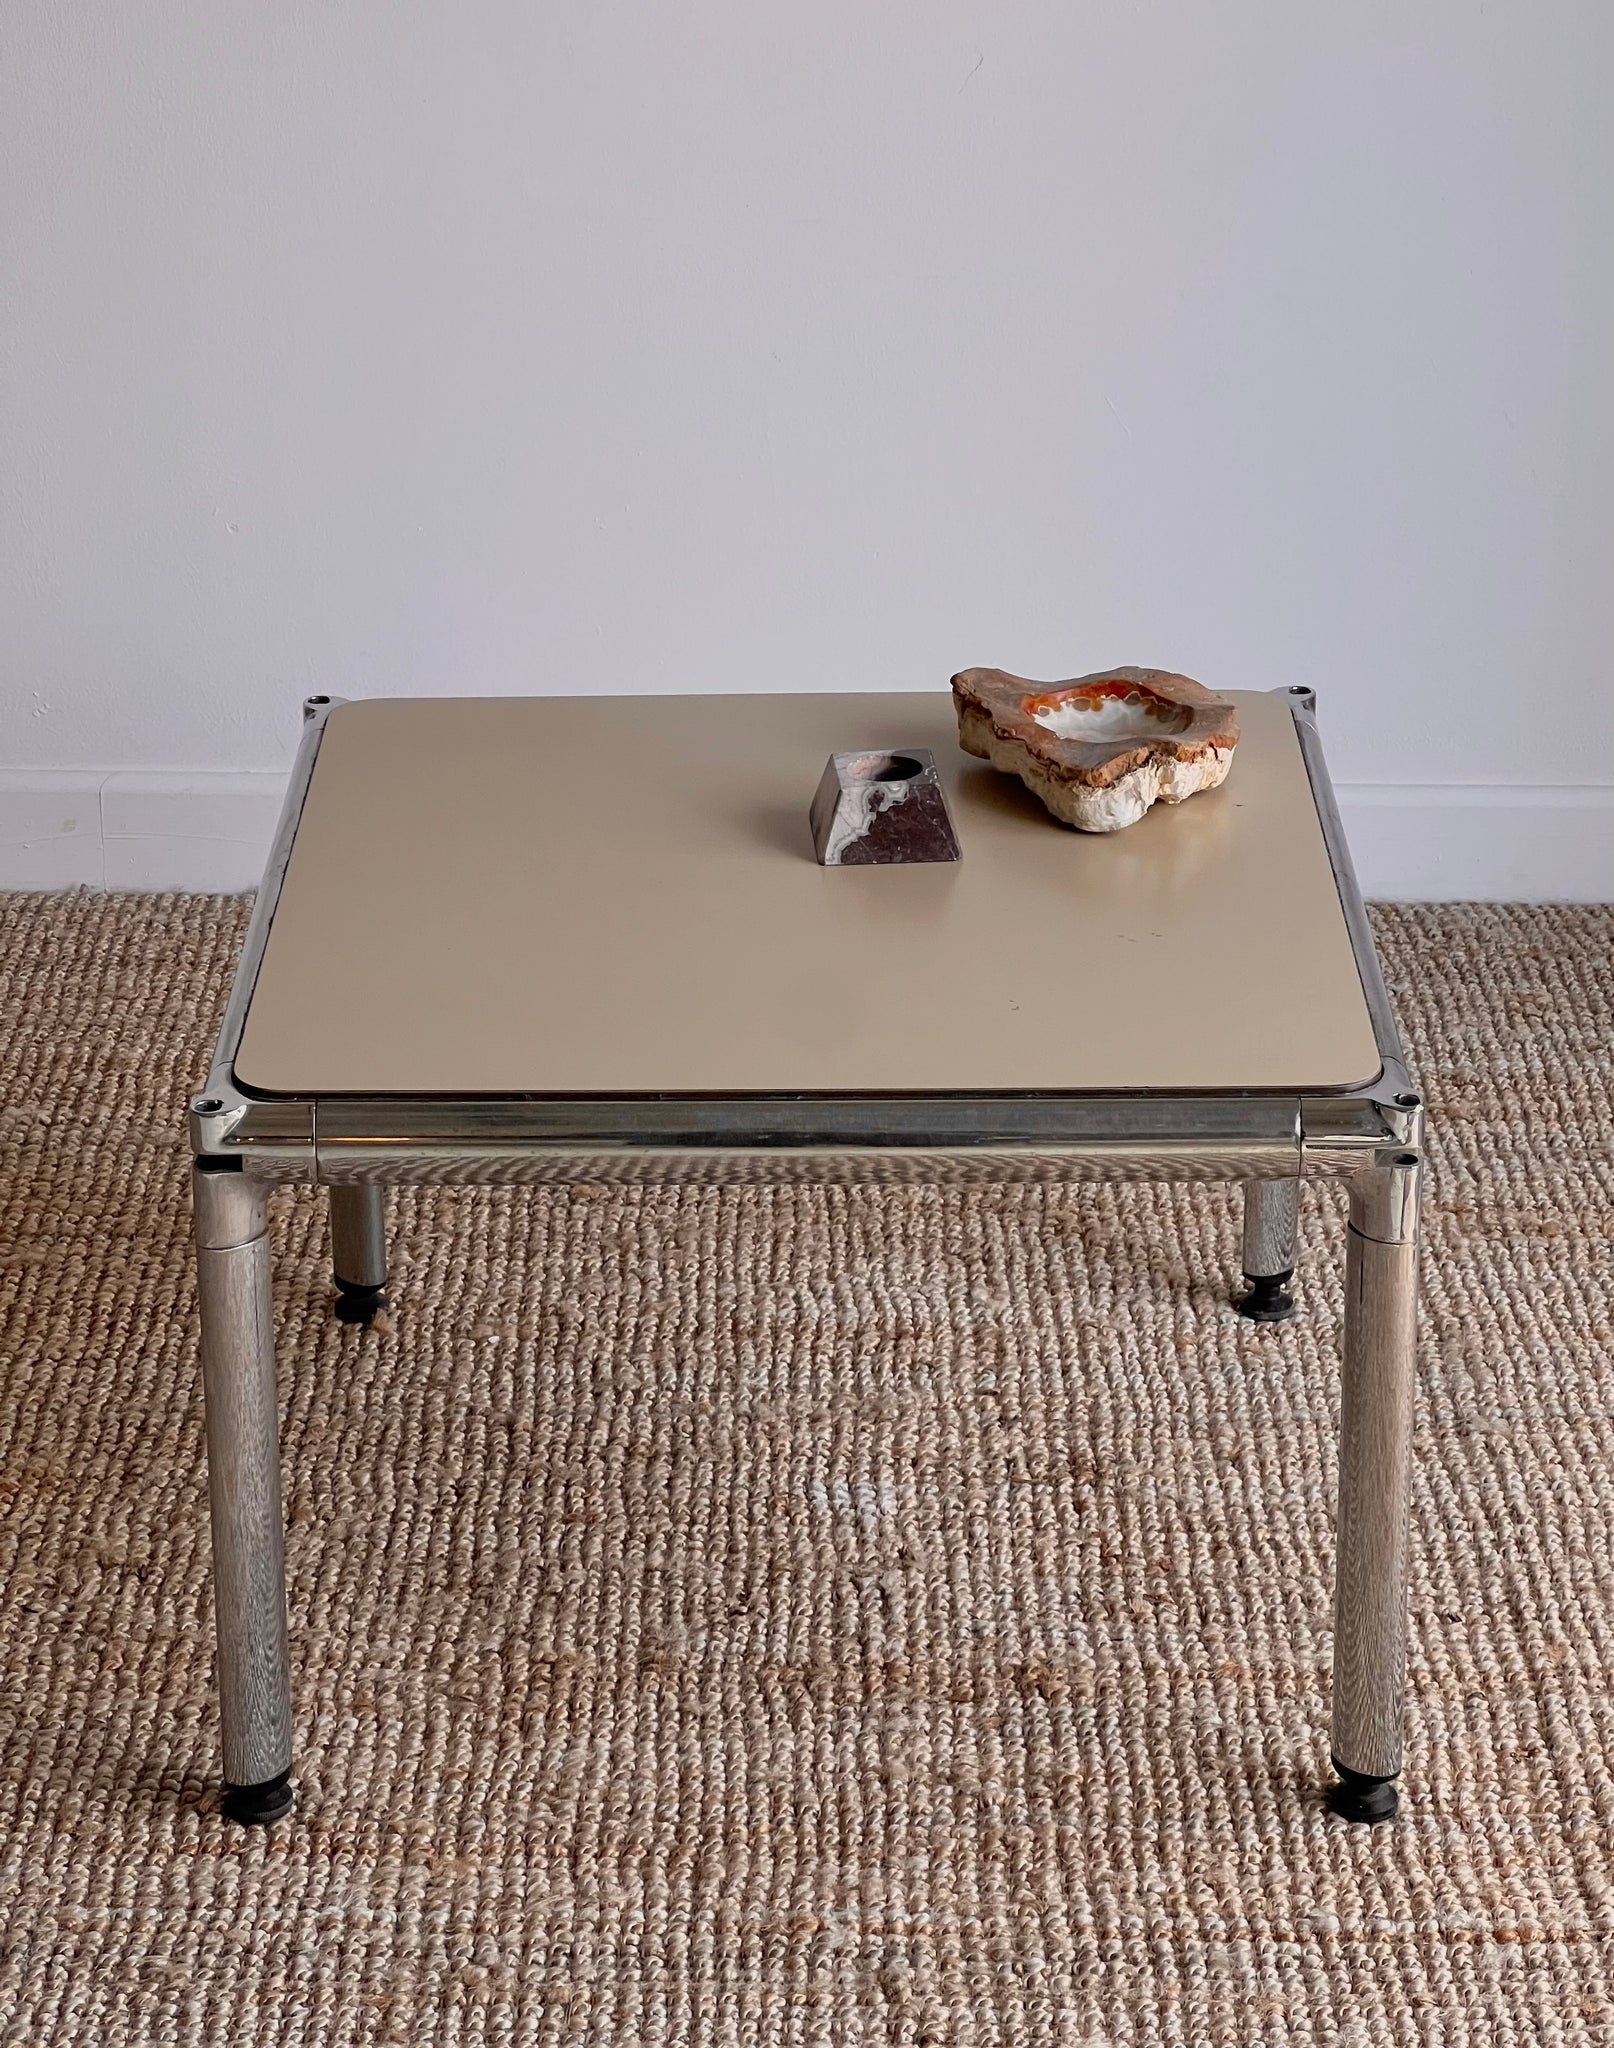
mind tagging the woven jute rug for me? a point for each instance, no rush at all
(804, 1617)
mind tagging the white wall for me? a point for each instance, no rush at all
(728, 344)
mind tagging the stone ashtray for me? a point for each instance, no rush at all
(1099, 750)
(873, 809)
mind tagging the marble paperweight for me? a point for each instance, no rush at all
(878, 809)
(1101, 749)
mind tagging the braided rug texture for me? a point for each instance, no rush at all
(804, 1616)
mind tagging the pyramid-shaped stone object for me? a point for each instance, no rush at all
(1099, 750)
(874, 809)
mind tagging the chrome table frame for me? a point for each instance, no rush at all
(243, 1144)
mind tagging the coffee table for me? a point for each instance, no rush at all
(529, 940)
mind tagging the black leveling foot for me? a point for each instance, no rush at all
(258, 1806)
(355, 1304)
(1269, 1299)
(1359, 1798)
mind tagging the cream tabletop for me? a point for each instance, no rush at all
(618, 895)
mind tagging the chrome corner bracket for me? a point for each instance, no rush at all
(267, 1140)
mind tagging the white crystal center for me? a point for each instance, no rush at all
(1135, 716)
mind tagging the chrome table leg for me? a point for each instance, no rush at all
(1375, 1463)
(243, 1477)
(1271, 1218)
(358, 1251)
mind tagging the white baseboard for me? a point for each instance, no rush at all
(135, 829)
(1412, 843)
(1481, 842)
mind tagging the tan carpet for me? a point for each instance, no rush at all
(804, 1617)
